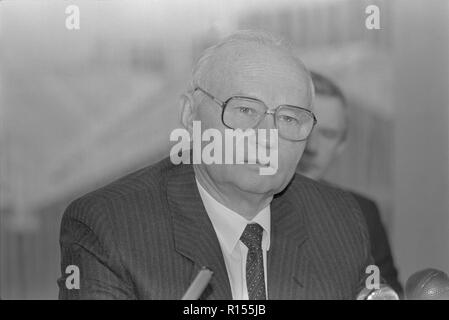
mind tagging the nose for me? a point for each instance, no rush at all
(265, 138)
(268, 120)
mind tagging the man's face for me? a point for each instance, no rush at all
(325, 141)
(270, 76)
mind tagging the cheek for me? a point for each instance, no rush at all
(209, 116)
(328, 149)
(332, 145)
(290, 153)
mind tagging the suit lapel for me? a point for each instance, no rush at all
(288, 263)
(194, 235)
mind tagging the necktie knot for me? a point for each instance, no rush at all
(252, 236)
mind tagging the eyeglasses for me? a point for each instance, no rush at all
(239, 112)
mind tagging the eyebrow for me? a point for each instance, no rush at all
(247, 95)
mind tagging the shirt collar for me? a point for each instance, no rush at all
(229, 225)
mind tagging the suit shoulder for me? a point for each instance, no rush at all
(141, 183)
(364, 201)
(326, 204)
(320, 189)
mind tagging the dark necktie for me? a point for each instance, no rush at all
(255, 279)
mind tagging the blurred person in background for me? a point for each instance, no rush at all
(324, 144)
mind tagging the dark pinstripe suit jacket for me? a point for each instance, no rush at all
(146, 236)
(380, 246)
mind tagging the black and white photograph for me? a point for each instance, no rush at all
(224, 150)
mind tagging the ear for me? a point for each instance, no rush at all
(188, 113)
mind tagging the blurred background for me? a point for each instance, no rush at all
(79, 108)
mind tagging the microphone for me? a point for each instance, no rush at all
(383, 293)
(198, 285)
(427, 284)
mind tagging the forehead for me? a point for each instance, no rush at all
(263, 72)
(329, 111)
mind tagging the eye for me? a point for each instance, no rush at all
(246, 110)
(330, 134)
(288, 119)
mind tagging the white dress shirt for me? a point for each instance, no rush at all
(229, 227)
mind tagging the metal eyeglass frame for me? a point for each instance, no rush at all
(223, 104)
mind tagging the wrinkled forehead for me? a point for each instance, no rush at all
(268, 73)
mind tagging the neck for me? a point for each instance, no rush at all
(244, 203)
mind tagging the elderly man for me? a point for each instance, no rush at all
(324, 144)
(278, 236)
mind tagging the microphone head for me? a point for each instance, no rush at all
(427, 284)
(383, 293)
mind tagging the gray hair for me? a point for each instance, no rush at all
(243, 37)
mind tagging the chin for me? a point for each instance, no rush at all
(249, 180)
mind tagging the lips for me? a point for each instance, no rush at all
(255, 161)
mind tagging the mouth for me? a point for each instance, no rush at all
(256, 162)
